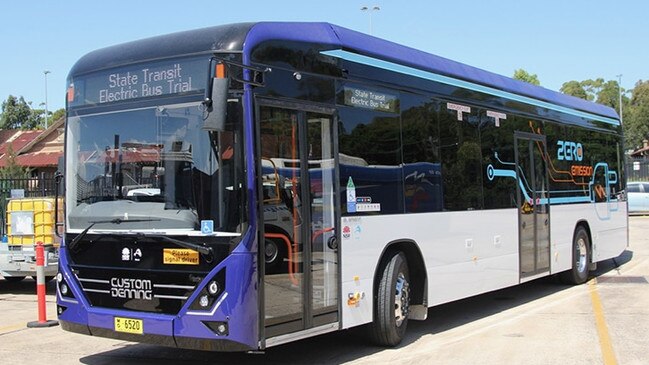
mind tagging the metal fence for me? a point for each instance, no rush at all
(637, 169)
(35, 187)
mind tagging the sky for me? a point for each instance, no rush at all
(558, 40)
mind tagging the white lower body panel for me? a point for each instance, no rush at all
(466, 253)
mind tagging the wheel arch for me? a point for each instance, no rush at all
(416, 269)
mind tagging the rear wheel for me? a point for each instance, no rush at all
(578, 274)
(14, 279)
(392, 302)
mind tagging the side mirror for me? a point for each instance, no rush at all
(58, 177)
(217, 106)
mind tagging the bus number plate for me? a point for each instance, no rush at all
(129, 325)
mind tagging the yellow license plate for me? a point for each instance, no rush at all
(129, 325)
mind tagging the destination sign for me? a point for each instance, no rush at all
(369, 99)
(141, 81)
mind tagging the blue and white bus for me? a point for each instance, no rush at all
(242, 186)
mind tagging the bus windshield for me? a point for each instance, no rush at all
(152, 169)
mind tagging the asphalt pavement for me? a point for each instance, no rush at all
(605, 321)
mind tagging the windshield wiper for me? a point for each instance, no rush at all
(202, 249)
(75, 241)
(120, 221)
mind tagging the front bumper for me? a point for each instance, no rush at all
(236, 307)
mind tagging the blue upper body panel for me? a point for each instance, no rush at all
(366, 45)
(244, 37)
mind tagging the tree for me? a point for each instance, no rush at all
(609, 94)
(51, 117)
(525, 76)
(574, 88)
(18, 114)
(592, 87)
(636, 121)
(57, 115)
(598, 90)
(12, 170)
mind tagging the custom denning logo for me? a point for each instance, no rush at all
(570, 151)
(131, 288)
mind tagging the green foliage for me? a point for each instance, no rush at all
(525, 76)
(575, 88)
(592, 87)
(57, 115)
(598, 90)
(636, 116)
(12, 170)
(609, 94)
(18, 114)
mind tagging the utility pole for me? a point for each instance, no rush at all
(46, 111)
(619, 89)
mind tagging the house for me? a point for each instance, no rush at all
(38, 150)
(642, 152)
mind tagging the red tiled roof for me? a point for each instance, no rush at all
(39, 159)
(23, 139)
(5, 134)
(19, 140)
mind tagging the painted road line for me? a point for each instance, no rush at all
(602, 329)
(11, 328)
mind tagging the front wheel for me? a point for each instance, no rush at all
(392, 302)
(274, 256)
(578, 274)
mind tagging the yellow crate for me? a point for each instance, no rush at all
(32, 220)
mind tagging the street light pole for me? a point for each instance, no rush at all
(619, 89)
(46, 111)
(370, 10)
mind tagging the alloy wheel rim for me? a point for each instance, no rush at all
(582, 253)
(401, 299)
(270, 251)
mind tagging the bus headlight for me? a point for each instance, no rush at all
(64, 289)
(63, 286)
(213, 288)
(210, 292)
(204, 301)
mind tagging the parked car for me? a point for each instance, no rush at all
(638, 196)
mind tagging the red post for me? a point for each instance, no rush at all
(40, 290)
(40, 282)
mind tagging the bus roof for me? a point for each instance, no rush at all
(245, 36)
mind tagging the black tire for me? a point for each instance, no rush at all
(578, 274)
(392, 302)
(274, 254)
(14, 279)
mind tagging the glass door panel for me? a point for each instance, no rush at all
(534, 206)
(299, 218)
(282, 216)
(324, 255)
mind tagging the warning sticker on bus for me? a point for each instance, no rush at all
(179, 256)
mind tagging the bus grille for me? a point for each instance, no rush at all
(143, 291)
